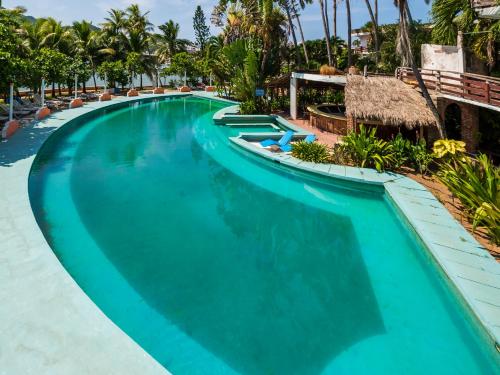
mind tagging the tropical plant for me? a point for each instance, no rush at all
(168, 42)
(245, 83)
(476, 183)
(312, 152)
(183, 63)
(114, 72)
(448, 148)
(419, 157)
(401, 148)
(366, 150)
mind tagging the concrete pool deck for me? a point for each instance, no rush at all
(50, 326)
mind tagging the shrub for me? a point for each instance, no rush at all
(419, 157)
(248, 107)
(476, 183)
(448, 148)
(366, 150)
(339, 154)
(312, 152)
(402, 149)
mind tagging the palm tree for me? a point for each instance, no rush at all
(168, 42)
(86, 45)
(287, 5)
(349, 31)
(302, 4)
(327, 34)
(404, 49)
(375, 31)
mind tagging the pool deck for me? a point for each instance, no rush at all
(467, 266)
(50, 326)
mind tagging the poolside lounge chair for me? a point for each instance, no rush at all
(310, 138)
(17, 113)
(287, 137)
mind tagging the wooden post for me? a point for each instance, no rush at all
(438, 81)
(487, 91)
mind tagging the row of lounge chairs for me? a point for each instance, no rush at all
(284, 142)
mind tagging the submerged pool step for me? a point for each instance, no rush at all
(253, 124)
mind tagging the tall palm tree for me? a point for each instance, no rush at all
(405, 50)
(375, 31)
(302, 4)
(287, 5)
(327, 34)
(335, 18)
(168, 42)
(86, 45)
(349, 31)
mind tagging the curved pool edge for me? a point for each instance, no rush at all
(48, 324)
(466, 265)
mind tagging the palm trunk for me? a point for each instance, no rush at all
(141, 83)
(335, 19)
(95, 81)
(405, 48)
(53, 90)
(376, 11)
(375, 31)
(327, 36)
(298, 60)
(349, 28)
(296, 15)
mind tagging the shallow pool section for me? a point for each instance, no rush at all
(219, 264)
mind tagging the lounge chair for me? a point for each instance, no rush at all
(20, 107)
(17, 113)
(310, 138)
(287, 137)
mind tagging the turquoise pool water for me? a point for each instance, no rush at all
(216, 263)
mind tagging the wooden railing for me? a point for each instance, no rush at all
(479, 88)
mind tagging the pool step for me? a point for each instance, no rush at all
(253, 124)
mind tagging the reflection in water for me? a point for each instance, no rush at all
(221, 258)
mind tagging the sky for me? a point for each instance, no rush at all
(181, 11)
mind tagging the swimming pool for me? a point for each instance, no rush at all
(216, 263)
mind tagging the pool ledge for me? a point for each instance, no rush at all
(48, 324)
(468, 266)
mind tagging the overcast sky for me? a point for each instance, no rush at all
(182, 12)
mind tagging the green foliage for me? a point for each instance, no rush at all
(420, 158)
(476, 183)
(245, 81)
(366, 150)
(113, 71)
(201, 29)
(448, 148)
(401, 148)
(52, 64)
(313, 152)
(183, 62)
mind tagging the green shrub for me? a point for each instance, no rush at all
(312, 152)
(339, 154)
(248, 107)
(419, 157)
(476, 183)
(366, 150)
(402, 148)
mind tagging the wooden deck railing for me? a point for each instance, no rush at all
(479, 88)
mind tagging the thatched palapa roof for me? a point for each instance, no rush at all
(387, 100)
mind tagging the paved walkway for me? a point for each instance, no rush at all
(324, 137)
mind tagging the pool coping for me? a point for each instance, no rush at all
(467, 265)
(48, 324)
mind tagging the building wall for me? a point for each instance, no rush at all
(437, 57)
(469, 121)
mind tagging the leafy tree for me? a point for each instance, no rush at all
(168, 43)
(201, 29)
(182, 63)
(113, 72)
(52, 65)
